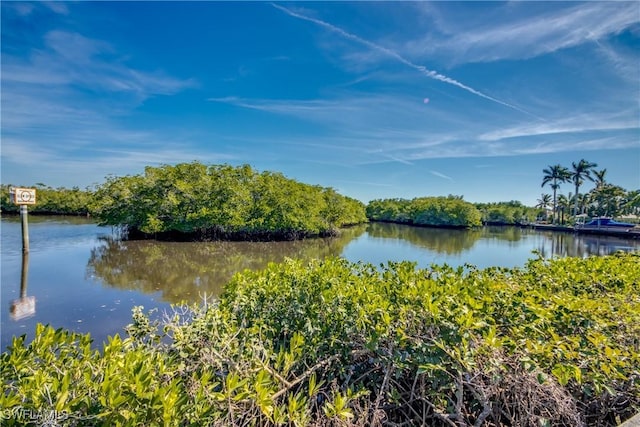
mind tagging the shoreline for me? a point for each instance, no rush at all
(629, 234)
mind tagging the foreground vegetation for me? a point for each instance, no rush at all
(450, 211)
(222, 201)
(336, 343)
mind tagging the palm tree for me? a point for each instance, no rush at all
(599, 177)
(564, 203)
(543, 203)
(581, 171)
(554, 175)
(607, 199)
(584, 203)
(632, 203)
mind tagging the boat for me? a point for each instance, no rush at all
(605, 224)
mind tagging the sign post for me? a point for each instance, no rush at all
(25, 228)
(23, 197)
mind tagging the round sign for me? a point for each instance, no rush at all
(25, 196)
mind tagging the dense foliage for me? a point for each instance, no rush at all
(605, 199)
(222, 201)
(57, 201)
(450, 211)
(510, 213)
(336, 343)
(611, 200)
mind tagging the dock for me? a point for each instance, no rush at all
(633, 233)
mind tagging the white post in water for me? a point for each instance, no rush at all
(25, 228)
(24, 197)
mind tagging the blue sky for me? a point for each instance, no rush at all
(374, 99)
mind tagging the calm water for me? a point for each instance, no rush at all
(80, 277)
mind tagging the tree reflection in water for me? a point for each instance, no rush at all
(441, 240)
(547, 243)
(186, 271)
(554, 244)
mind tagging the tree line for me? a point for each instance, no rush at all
(605, 199)
(507, 213)
(449, 211)
(192, 200)
(196, 201)
(221, 201)
(52, 201)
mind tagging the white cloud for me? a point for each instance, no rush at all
(57, 7)
(376, 128)
(580, 123)
(24, 9)
(521, 31)
(361, 114)
(625, 63)
(57, 166)
(400, 58)
(72, 60)
(53, 123)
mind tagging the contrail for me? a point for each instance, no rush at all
(441, 175)
(429, 73)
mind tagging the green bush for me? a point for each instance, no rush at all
(448, 211)
(337, 343)
(57, 201)
(510, 213)
(222, 201)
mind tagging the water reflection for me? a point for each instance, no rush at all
(553, 244)
(25, 306)
(185, 271)
(548, 243)
(508, 234)
(436, 239)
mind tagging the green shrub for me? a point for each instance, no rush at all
(511, 213)
(448, 211)
(222, 201)
(337, 343)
